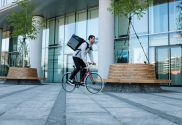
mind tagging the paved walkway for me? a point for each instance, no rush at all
(83, 108)
(48, 105)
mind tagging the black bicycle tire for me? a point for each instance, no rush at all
(66, 83)
(86, 84)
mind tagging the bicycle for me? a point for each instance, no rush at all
(92, 81)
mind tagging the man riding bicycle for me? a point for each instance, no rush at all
(80, 58)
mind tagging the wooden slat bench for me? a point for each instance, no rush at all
(22, 75)
(135, 74)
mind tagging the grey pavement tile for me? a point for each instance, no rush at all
(144, 121)
(26, 113)
(22, 122)
(84, 108)
(90, 119)
(79, 101)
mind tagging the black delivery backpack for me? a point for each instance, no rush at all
(75, 41)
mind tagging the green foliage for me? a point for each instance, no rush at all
(127, 7)
(21, 21)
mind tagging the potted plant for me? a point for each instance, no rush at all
(130, 8)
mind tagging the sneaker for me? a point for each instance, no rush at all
(82, 83)
(71, 82)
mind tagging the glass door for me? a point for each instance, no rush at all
(169, 64)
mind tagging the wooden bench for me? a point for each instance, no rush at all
(137, 74)
(22, 75)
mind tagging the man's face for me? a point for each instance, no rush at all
(92, 40)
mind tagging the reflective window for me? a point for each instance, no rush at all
(57, 56)
(81, 18)
(176, 37)
(120, 51)
(93, 29)
(158, 19)
(69, 31)
(140, 25)
(137, 54)
(175, 15)
(121, 26)
(158, 39)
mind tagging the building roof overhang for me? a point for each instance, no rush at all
(49, 8)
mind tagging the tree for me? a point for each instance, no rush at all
(22, 24)
(130, 8)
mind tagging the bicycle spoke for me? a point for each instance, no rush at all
(94, 83)
(66, 85)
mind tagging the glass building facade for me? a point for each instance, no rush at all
(160, 34)
(56, 55)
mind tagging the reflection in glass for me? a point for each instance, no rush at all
(120, 51)
(136, 53)
(158, 39)
(176, 37)
(176, 66)
(81, 24)
(4, 51)
(57, 56)
(175, 14)
(92, 29)
(140, 25)
(162, 63)
(152, 55)
(158, 19)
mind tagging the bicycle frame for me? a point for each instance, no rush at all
(88, 72)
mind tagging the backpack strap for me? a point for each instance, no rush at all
(80, 49)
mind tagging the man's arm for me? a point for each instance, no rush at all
(90, 53)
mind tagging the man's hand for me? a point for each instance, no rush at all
(91, 63)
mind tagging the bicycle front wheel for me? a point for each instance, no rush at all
(94, 83)
(65, 84)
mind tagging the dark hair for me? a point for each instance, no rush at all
(90, 37)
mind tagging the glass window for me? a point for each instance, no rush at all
(175, 14)
(93, 29)
(121, 51)
(93, 26)
(69, 31)
(137, 54)
(158, 19)
(176, 37)
(120, 26)
(140, 25)
(4, 51)
(81, 24)
(158, 39)
(44, 62)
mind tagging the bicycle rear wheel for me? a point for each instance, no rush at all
(65, 84)
(94, 83)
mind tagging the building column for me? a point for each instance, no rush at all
(106, 38)
(1, 37)
(36, 45)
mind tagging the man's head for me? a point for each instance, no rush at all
(91, 39)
